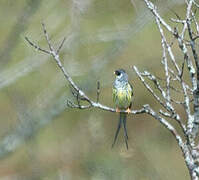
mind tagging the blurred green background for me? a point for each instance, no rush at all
(39, 137)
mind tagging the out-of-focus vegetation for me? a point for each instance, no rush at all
(39, 137)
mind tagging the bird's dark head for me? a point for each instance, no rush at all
(121, 75)
(119, 72)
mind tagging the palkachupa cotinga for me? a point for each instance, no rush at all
(122, 97)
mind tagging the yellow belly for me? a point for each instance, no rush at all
(123, 99)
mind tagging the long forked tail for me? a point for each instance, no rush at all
(122, 120)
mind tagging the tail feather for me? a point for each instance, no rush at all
(122, 120)
(123, 117)
(125, 129)
(117, 132)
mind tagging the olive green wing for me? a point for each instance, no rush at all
(114, 94)
(130, 87)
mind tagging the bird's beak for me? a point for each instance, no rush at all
(114, 72)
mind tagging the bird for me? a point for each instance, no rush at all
(122, 98)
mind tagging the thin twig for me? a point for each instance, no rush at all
(98, 91)
(60, 46)
(36, 47)
(47, 37)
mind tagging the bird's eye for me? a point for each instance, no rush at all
(117, 73)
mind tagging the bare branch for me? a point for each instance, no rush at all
(185, 150)
(155, 81)
(165, 123)
(192, 122)
(167, 106)
(178, 138)
(187, 58)
(192, 43)
(153, 9)
(77, 93)
(164, 57)
(195, 21)
(178, 21)
(195, 124)
(150, 89)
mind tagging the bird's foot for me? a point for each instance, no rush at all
(128, 110)
(117, 110)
